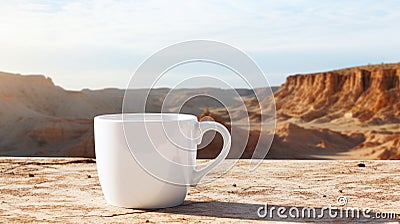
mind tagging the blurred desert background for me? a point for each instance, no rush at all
(350, 113)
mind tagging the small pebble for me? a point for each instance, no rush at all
(361, 165)
(31, 175)
(234, 185)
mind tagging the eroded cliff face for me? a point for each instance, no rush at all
(38, 118)
(369, 94)
(345, 114)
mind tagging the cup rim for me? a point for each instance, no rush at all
(145, 117)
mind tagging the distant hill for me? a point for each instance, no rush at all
(351, 113)
(38, 118)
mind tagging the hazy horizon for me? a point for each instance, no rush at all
(186, 87)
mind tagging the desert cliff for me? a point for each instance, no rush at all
(350, 113)
(361, 101)
(369, 94)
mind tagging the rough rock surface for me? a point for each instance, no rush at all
(67, 190)
(368, 93)
(350, 113)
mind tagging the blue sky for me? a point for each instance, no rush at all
(98, 44)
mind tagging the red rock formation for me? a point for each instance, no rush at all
(39, 118)
(208, 116)
(369, 93)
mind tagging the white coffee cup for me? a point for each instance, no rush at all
(148, 160)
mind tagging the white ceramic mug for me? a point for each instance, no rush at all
(148, 160)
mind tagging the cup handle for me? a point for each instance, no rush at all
(208, 126)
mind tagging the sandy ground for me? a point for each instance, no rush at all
(67, 190)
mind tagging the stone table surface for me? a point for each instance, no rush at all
(67, 190)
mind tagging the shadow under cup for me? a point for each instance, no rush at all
(154, 165)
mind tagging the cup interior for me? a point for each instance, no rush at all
(146, 117)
